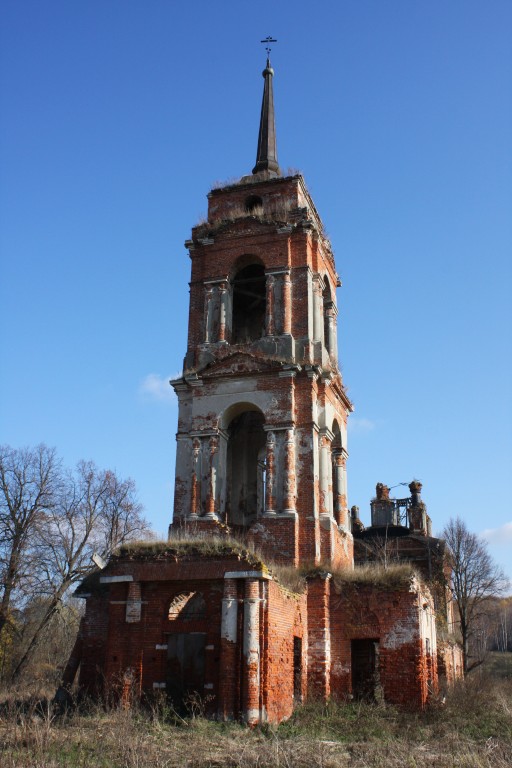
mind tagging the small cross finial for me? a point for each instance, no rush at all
(268, 40)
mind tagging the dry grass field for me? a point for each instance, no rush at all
(472, 729)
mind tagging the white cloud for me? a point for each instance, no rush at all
(501, 536)
(360, 425)
(157, 387)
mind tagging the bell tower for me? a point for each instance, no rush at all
(262, 438)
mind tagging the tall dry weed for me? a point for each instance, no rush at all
(472, 730)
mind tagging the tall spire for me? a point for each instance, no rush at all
(266, 157)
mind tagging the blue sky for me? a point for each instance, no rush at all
(118, 116)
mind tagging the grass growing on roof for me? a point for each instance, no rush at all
(395, 576)
(188, 546)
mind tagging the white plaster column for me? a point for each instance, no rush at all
(211, 505)
(311, 326)
(182, 488)
(195, 491)
(270, 475)
(133, 603)
(261, 490)
(340, 504)
(221, 463)
(344, 490)
(331, 341)
(228, 650)
(209, 307)
(228, 629)
(251, 652)
(325, 474)
(290, 484)
(335, 334)
(224, 296)
(287, 304)
(270, 319)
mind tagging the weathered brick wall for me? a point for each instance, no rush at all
(253, 629)
(289, 374)
(285, 617)
(250, 623)
(291, 239)
(138, 651)
(279, 399)
(343, 550)
(319, 637)
(288, 192)
(450, 664)
(94, 630)
(394, 618)
(116, 652)
(276, 538)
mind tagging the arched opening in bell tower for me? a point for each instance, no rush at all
(327, 310)
(249, 304)
(336, 440)
(245, 466)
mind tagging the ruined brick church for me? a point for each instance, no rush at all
(254, 603)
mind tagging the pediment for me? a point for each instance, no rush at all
(239, 364)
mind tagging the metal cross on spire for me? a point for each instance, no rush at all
(268, 40)
(266, 156)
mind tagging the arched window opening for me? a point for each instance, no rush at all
(245, 465)
(249, 304)
(187, 606)
(254, 204)
(328, 319)
(336, 440)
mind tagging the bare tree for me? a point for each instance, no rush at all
(381, 550)
(121, 515)
(501, 625)
(29, 480)
(504, 625)
(476, 578)
(95, 511)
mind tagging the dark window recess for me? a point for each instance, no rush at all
(328, 304)
(252, 203)
(249, 304)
